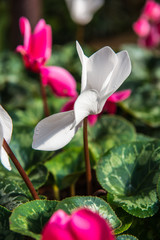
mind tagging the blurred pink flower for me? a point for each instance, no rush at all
(152, 10)
(141, 27)
(83, 224)
(60, 80)
(110, 105)
(152, 39)
(147, 27)
(37, 46)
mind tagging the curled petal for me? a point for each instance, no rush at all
(120, 73)
(5, 159)
(6, 124)
(39, 26)
(5, 133)
(54, 132)
(25, 29)
(120, 96)
(83, 60)
(60, 80)
(85, 105)
(99, 68)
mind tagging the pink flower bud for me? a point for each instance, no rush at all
(83, 224)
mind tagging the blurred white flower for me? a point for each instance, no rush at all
(102, 75)
(6, 128)
(82, 11)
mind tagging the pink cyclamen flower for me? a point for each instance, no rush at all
(152, 10)
(83, 224)
(141, 27)
(37, 46)
(60, 80)
(109, 106)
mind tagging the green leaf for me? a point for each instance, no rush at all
(110, 131)
(158, 187)
(144, 104)
(11, 194)
(129, 172)
(68, 162)
(126, 237)
(5, 232)
(38, 176)
(21, 145)
(126, 220)
(93, 203)
(30, 218)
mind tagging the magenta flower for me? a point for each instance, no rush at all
(147, 27)
(36, 48)
(142, 27)
(109, 106)
(152, 10)
(60, 80)
(83, 224)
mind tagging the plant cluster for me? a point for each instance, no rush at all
(103, 182)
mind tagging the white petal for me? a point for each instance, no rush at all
(120, 73)
(85, 105)
(99, 68)
(82, 11)
(5, 159)
(6, 123)
(54, 132)
(83, 60)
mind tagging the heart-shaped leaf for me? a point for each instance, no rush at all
(129, 172)
(93, 203)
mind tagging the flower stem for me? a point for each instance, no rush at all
(87, 160)
(72, 190)
(44, 98)
(20, 169)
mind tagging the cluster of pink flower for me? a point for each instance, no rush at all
(36, 50)
(147, 27)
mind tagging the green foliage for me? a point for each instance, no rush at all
(5, 232)
(129, 173)
(29, 219)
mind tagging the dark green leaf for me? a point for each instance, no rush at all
(93, 203)
(130, 173)
(30, 218)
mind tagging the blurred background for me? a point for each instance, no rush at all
(111, 24)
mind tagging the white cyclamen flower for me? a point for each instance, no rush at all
(6, 128)
(82, 11)
(102, 74)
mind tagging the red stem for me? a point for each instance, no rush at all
(87, 160)
(20, 169)
(44, 98)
